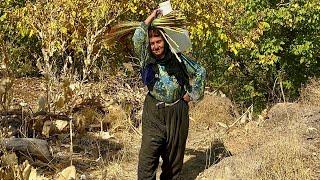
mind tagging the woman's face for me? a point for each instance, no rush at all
(157, 46)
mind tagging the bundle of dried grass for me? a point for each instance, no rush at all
(174, 21)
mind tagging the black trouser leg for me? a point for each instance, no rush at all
(149, 158)
(164, 133)
(153, 140)
(177, 125)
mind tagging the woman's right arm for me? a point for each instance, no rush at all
(139, 41)
(140, 37)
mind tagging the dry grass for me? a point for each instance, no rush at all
(123, 164)
(285, 145)
(271, 155)
(284, 159)
(119, 161)
(275, 149)
(117, 106)
(118, 118)
(212, 109)
(311, 93)
(204, 118)
(281, 159)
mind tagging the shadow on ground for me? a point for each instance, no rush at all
(202, 159)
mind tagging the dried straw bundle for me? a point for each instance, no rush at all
(173, 21)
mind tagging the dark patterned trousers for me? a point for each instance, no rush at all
(164, 133)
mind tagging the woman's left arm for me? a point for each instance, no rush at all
(197, 75)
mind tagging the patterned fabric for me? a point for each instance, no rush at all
(167, 88)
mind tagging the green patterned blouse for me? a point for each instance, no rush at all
(167, 88)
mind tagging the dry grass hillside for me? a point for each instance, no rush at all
(281, 143)
(285, 145)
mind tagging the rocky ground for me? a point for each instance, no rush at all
(281, 143)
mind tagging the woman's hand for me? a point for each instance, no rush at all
(186, 98)
(152, 16)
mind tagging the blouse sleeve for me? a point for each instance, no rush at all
(197, 76)
(140, 43)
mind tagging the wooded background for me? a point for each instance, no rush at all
(255, 51)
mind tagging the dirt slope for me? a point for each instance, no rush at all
(283, 146)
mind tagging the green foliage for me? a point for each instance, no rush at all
(17, 47)
(254, 50)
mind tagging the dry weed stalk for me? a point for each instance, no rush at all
(71, 141)
(247, 115)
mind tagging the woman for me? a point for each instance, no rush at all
(165, 118)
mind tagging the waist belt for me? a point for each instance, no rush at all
(163, 104)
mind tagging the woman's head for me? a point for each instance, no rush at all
(157, 42)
